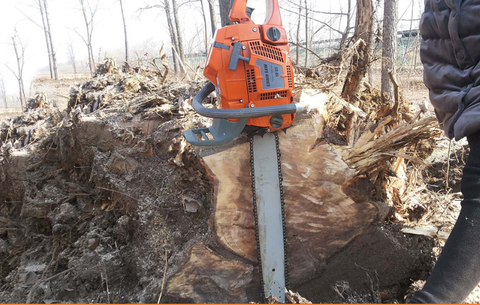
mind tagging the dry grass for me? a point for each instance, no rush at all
(9, 112)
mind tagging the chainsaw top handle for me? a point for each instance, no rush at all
(238, 12)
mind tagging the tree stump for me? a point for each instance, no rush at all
(321, 218)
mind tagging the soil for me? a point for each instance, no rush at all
(100, 216)
(102, 199)
(92, 210)
(379, 266)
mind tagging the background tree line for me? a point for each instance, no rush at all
(316, 32)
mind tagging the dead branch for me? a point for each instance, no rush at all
(164, 276)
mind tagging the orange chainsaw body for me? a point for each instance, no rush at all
(264, 77)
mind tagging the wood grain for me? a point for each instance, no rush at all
(320, 217)
(209, 277)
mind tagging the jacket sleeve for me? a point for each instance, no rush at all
(445, 75)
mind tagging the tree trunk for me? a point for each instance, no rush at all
(179, 34)
(52, 49)
(205, 26)
(360, 61)
(389, 44)
(373, 50)
(88, 40)
(20, 61)
(311, 238)
(171, 29)
(124, 31)
(4, 92)
(224, 12)
(319, 195)
(213, 17)
(71, 57)
(307, 45)
(347, 29)
(47, 41)
(297, 52)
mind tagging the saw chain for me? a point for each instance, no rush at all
(266, 287)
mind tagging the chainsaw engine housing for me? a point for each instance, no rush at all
(250, 66)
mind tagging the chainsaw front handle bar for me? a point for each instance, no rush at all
(256, 112)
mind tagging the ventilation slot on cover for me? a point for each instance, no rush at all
(251, 82)
(289, 74)
(273, 95)
(266, 50)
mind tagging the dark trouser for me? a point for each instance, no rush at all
(457, 271)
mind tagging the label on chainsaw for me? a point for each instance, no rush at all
(272, 75)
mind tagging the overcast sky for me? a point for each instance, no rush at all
(146, 30)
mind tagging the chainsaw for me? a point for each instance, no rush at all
(250, 68)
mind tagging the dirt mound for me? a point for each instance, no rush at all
(106, 201)
(93, 199)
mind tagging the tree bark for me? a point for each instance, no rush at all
(19, 54)
(88, 39)
(71, 57)
(297, 53)
(124, 31)
(47, 41)
(52, 49)
(306, 34)
(360, 61)
(171, 29)
(4, 92)
(347, 29)
(180, 50)
(315, 203)
(224, 12)
(213, 17)
(205, 26)
(389, 47)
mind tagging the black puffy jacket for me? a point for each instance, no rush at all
(450, 53)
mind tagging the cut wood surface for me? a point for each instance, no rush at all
(209, 277)
(320, 217)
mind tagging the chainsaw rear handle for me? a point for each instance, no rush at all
(241, 113)
(238, 12)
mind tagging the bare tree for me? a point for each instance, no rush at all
(224, 12)
(409, 40)
(213, 17)
(173, 35)
(165, 5)
(348, 27)
(3, 91)
(71, 57)
(204, 25)
(49, 34)
(88, 16)
(389, 48)
(42, 6)
(44, 28)
(297, 54)
(180, 50)
(361, 58)
(323, 24)
(307, 45)
(19, 49)
(124, 31)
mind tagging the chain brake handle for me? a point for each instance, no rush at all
(239, 13)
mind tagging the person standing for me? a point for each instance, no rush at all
(450, 53)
